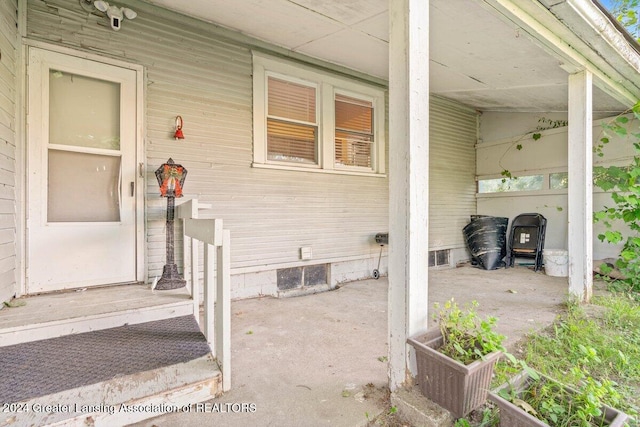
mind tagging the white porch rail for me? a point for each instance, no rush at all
(217, 299)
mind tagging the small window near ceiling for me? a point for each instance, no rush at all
(354, 131)
(292, 126)
(558, 181)
(501, 185)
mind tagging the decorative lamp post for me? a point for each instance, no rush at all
(170, 179)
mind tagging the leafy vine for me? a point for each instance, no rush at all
(624, 184)
(543, 124)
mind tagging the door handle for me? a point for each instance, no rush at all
(132, 186)
(120, 189)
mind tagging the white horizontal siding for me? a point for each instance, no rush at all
(452, 186)
(208, 81)
(8, 84)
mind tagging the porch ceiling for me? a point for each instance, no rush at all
(477, 57)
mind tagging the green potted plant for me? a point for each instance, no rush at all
(531, 399)
(455, 360)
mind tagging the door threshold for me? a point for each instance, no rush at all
(56, 314)
(80, 289)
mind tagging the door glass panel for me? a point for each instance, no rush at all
(83, 111)
(83, 187)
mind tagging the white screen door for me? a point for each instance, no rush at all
(82, 143)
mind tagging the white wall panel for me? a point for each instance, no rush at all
(8, 88)
(207, 79)
(452, 184)
(544, 156)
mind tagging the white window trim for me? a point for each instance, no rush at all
(328, 85)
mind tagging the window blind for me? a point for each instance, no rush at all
(292, 130)
(291, 142)
(354, 131)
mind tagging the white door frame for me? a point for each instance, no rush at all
(22, 184)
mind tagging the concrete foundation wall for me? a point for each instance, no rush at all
(265, 283)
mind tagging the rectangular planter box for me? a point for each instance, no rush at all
(456, 387)
(513, 416)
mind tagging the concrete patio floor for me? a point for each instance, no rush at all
(320, 360)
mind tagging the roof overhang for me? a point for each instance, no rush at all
(492, 55)
(582, 36)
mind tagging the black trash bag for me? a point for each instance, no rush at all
(486, 238)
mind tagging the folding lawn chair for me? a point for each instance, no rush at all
(526, 239)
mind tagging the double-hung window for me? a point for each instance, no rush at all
(306, 119)
(354, 136)
(292, 123)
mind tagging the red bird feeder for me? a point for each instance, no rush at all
(178, 134)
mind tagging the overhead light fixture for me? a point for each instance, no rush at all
(114, 13)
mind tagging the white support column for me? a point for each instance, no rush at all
(580, 185)
(408, 181)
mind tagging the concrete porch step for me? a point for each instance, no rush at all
(110, 377)
(122, 401)
(57, 314)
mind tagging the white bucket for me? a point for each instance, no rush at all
(556, 262)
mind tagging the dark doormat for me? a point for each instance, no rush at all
(53, 365)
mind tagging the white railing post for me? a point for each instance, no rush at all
(209, 296)
(223, 309)
(217, 296)
(183, 211)
(189, 210)
(186, 257)
(195, 279)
